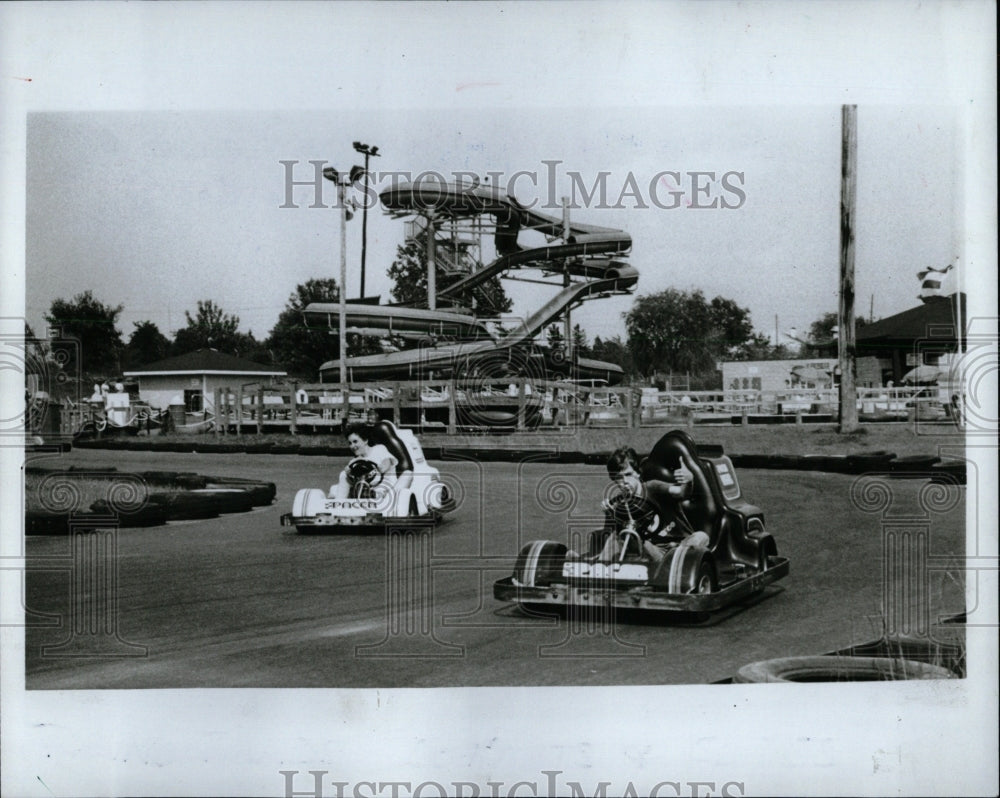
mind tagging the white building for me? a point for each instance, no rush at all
(192, 378)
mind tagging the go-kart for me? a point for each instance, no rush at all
(418, 496)
(738, 561)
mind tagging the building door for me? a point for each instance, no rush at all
(193, 401)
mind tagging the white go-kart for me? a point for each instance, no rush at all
(418, 497)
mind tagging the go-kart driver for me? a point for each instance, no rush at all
(652, 507)
(374, 465)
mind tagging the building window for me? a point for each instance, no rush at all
(193, 401)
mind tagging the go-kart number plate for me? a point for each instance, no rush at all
(352, 504)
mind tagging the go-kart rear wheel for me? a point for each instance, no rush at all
(690, 569)
(704, 583)
(765, 543)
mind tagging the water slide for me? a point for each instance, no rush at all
(413, 363)
(577, 257)
(451, 200)
(396, 320)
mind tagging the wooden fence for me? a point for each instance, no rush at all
(453, 405)
(450, 405)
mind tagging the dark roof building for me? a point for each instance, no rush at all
(205, 361)
(915, 337)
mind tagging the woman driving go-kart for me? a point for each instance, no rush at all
(371, 471)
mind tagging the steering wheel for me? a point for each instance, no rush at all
(362, 475)
(634, 515)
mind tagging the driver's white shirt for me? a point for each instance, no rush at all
(378, 454)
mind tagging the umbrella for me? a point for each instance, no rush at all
(922, 374)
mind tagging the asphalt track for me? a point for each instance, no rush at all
(239, 601)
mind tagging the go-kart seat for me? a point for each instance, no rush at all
(385, 433)
(700, 507)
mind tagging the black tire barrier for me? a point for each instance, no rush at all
(749, 460)
(918, 649)
(949, 473)
(285, 449)
(261, 493)
(769, 461)
(187, 506)
(913, 466)
(312, 451)
(863, 462)
(190, 481)
(150, 514)
(38, 522)
(228, 500)
(159, 477)
(838, 669)
(822, 462)
(219, 448)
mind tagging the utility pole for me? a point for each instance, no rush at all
(568, 334)
(367, 151)
(846, 350)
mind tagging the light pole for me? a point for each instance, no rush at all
(367, 151)
(341, 181)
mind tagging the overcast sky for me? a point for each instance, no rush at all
(157, 210)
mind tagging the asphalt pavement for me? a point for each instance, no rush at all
(240, 601)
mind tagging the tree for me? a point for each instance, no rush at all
(146, 345)
(759, 347)
(614, 351)
(823, 335)
(554, 337)
(730, 327)
(92, 323)
(409, 275)
(580, 345)
(678, 331)
(212, 328)
(301, 350)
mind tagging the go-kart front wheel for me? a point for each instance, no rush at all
(539, 563)
(308, 502)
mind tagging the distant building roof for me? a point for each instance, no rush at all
(933, 319)
(205, 361)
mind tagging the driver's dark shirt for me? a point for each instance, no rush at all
(655, 501)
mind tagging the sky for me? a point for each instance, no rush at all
(156, 210)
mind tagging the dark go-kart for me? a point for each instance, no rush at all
(739, 560)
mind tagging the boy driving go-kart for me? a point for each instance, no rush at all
(678, 536)
(647, 513)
